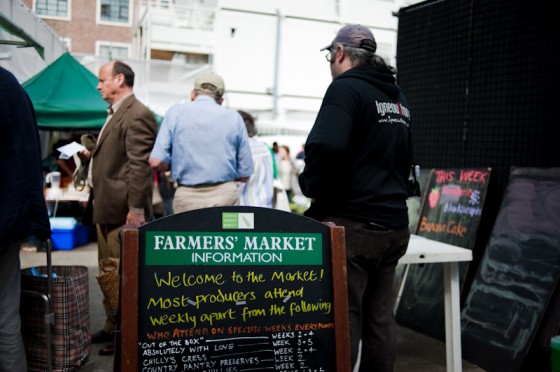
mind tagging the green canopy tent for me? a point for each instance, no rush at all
(64, 95)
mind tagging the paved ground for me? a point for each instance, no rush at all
(416, 352)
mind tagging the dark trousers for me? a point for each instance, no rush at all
(372, 254)
(12, 351)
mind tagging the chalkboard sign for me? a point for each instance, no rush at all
(450, 213)
(518, 272)
(452, 205)
(235, 289)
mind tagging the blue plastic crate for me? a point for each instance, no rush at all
(64, 239)
(67, 233)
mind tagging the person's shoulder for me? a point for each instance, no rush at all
(7, 77)
(232, 114)
(178, 108)
(9, 85)
(230, 111)
(340, 88)
(138, 106)
(134, 102)
(344, 82)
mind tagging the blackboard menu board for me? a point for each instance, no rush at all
(236, 289)
(450, 213)
(452, 205)
(518, 273)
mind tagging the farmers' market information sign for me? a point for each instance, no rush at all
(234, 289)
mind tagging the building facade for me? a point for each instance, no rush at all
(99, 27)
(267, 51)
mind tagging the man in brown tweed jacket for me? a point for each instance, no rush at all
(121, 175)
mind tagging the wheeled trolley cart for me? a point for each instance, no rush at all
(46, 299)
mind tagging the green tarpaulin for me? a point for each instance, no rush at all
(64, 95)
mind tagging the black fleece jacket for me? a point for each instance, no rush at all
(357, 156)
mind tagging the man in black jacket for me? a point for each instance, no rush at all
(357, 163)
(23, 209)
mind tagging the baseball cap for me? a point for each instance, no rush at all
(210, 78)
(356, 36)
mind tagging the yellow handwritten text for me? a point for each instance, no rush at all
(452, 227)
(302, 276)
(283, 293)
(186, 280)
(221, 297)
(212, 317)
(166, 303)
(178, 318)
(307, 307)
(252, 313)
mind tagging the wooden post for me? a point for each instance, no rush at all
(129, 301)
(340, 291)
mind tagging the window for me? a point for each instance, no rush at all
(112, 51)
(114, 11)
(52, 8)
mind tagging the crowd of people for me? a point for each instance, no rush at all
(204, 155)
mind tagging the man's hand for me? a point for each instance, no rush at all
(158, 165)
(135, 219)
(84, 155)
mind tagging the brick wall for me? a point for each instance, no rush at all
(83, 30)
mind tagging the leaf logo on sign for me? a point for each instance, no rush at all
(248, 221)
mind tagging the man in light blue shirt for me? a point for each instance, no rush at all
(206, 146)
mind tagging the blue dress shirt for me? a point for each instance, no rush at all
(204, 143)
